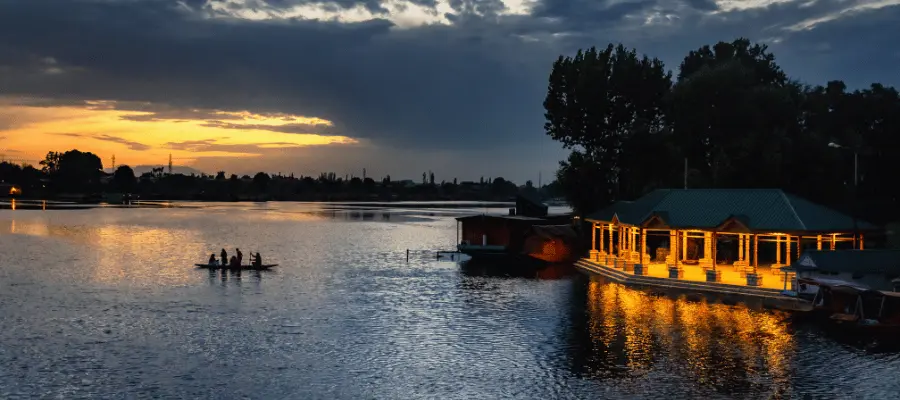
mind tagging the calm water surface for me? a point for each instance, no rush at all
(104, 303)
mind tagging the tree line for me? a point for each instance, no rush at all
(733, 116)
(76, 172)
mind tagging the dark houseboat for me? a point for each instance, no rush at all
(528, 236)
(854, 307)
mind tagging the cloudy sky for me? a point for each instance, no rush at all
(394, 86)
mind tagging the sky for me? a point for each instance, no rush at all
(397, 87)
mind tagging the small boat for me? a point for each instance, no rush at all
(249, 267)
(855, 307)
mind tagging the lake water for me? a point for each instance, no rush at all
(105, 303)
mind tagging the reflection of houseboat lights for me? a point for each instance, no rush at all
(643, 324)
(13, 204)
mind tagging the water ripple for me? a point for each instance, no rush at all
(104, 303)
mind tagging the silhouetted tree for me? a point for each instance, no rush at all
(261, 182)
(124, 179)
(737, 118)
(595, 103)
(73, 170)
(50, 163)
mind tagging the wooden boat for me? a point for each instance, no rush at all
(242, 267)
(857, 308)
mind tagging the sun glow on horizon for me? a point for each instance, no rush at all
(148, 137)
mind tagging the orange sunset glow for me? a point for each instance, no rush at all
(29, 130)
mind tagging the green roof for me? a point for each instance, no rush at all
(759, 209)
(853, 261)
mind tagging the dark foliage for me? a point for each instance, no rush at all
(74, 174)
(734, 115)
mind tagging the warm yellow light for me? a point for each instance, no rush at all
(630, 326)
(14, 190)
(141, 138)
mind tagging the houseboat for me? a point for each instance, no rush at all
(869, 269)
(735, 237)
(855, 308)
(527, 237)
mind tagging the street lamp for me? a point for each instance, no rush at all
(855, 184)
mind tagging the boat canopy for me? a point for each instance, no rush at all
(833, 283)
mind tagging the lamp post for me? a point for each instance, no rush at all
(855, 185)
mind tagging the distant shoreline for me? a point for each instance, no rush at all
(31, 204)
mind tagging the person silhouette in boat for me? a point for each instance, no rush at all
(234, 263)
(240, 256)
(257, 261)
(212, 259)
(224, 255)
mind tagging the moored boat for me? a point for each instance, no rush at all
(526, 238)
(856, 308)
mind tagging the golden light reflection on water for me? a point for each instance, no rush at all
(113, 253)
(29, 228)
(718, 345)
(131, 252)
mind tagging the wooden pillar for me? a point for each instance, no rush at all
(593, 237)
(626, 235)
(861, 247)
(707, 245)
(819, 242)
(673, 247)
(621, 239)
(619, 243)
(777, 249)
(677, 256)
(635, 240)
(643, 245)
(684, 243)
(747, 248)
(630, 233)
(715, 243)
(755, 252)
(629, 238)
(600, 238)
(833, 240)
(787, 250)
(612, 247)
(740, 247)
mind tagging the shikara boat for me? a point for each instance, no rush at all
(242, 267)
(856, 307)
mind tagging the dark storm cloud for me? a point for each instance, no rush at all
(479, 83)
(426, 87)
